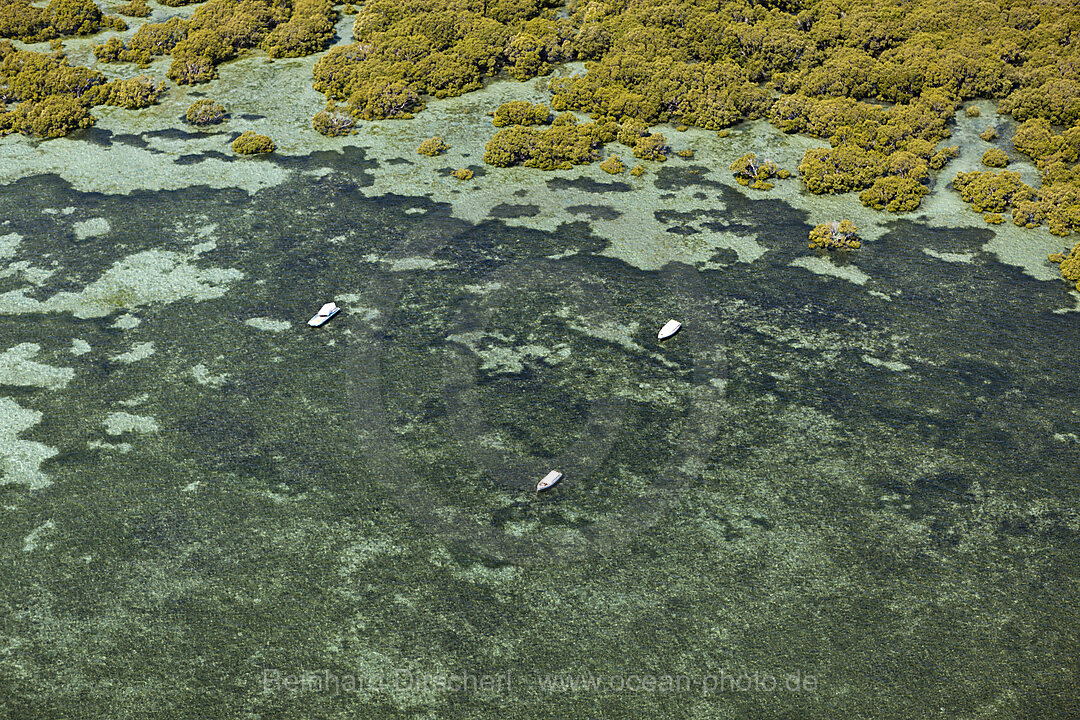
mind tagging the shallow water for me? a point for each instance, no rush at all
(858, 469)
(870, 484)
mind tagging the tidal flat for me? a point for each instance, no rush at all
(858, 468)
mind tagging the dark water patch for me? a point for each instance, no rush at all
(251, 117)
(136, 141)
(726, 226)
(952, 487)
(682, 230)
(670, 177)
(521, 193)
(595, 212)
(948, 240)
(585, 184)
(129, 139)
(724, 256)
(676, 217)
(207, 130)
(504, 210)
(981, 377)
(398, 161)
(173, 134)
(465, 558)
(349, 165)
(18, 391)
(760, 522)
(96, 136)
(196, 158)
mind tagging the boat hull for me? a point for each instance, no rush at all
(321, 319)
(669, 329)
(549, 480)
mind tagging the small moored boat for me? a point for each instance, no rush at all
(550, 479)
(669, 329)
(326, 312)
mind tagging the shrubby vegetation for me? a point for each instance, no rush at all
(1070, 264)
(991, 192)
(133, 93)
(333, 122)
(437, 48)
(519, 112)
(53, 116)
(558, 147)
(841, 235)
(635, 82)
(149, 40)
(613, 165)
(637, 171)
(894, 193)
(873, 79)
(1057, 204)
(205, 112)
(869, 144)
(749, 170)
(250, 143)
(651, 147)
(53, 97)
(134, 8)
(22, 21)
(309, 29)
(989, 134)
(221, 29)
(432, 147)
(462, 174)
(995, 158)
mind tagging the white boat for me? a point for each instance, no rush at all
(669, 329)
(550, 479)
(326, 312)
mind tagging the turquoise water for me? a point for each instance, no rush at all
(871, 485)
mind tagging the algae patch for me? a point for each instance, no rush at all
(91, 228)
(203, 376)
(18, 368)
(119, 447)
(118, 423)
(268, 324)
(139, 351)
(20, 460)
(32, 540)
(950, 257)
(416, 263)
(821, 266)
(140, 279)
(497, 357)
(9, 243)
(126, 322)
(893, 365)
